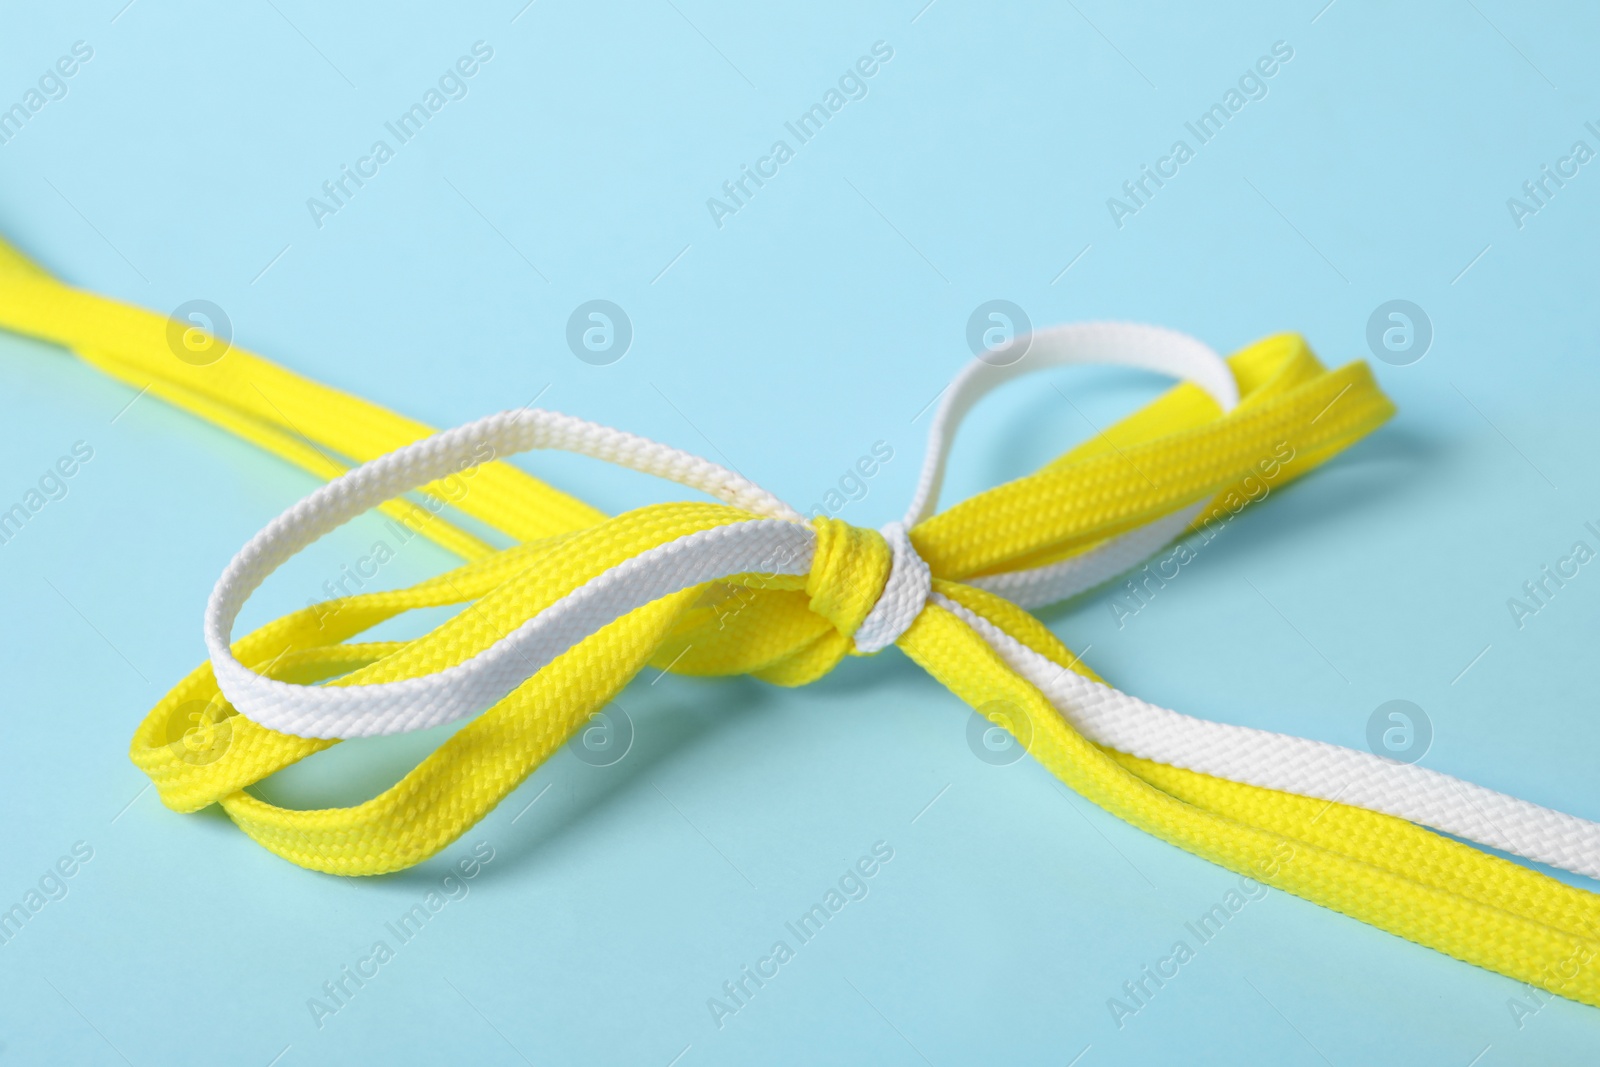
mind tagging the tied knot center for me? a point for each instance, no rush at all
(870, 584)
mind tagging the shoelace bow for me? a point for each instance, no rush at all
(553, 627)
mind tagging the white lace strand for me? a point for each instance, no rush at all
(781, 543)
(1290, 764)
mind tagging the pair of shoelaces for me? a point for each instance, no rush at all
(553, 626)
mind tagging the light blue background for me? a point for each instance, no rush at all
(818, 320)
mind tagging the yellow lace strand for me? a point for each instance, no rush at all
(1177, 451)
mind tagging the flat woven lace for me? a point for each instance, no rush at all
(552, 627)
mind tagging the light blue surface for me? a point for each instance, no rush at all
(820, 318)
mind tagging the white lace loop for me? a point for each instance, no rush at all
(777, 532)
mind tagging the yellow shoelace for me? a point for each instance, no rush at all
(1177, 451)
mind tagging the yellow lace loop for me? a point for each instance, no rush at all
(1177, 452)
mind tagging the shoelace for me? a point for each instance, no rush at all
(553, 627)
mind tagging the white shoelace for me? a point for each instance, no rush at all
(780, 543)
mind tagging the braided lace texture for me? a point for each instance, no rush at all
(553, 626)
